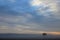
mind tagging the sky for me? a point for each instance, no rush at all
(30, 16)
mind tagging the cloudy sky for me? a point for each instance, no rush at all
(30, 16)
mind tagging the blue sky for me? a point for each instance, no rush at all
(29, 16)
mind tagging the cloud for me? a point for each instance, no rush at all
(22, 17)
(46, 8)
(35, 2)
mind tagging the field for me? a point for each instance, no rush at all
(28, 37)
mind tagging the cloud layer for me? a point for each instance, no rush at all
(23, 16)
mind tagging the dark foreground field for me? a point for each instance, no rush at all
(28, 37)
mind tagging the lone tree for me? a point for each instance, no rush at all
(44, 34)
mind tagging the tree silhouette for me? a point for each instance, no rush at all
(44, 34)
